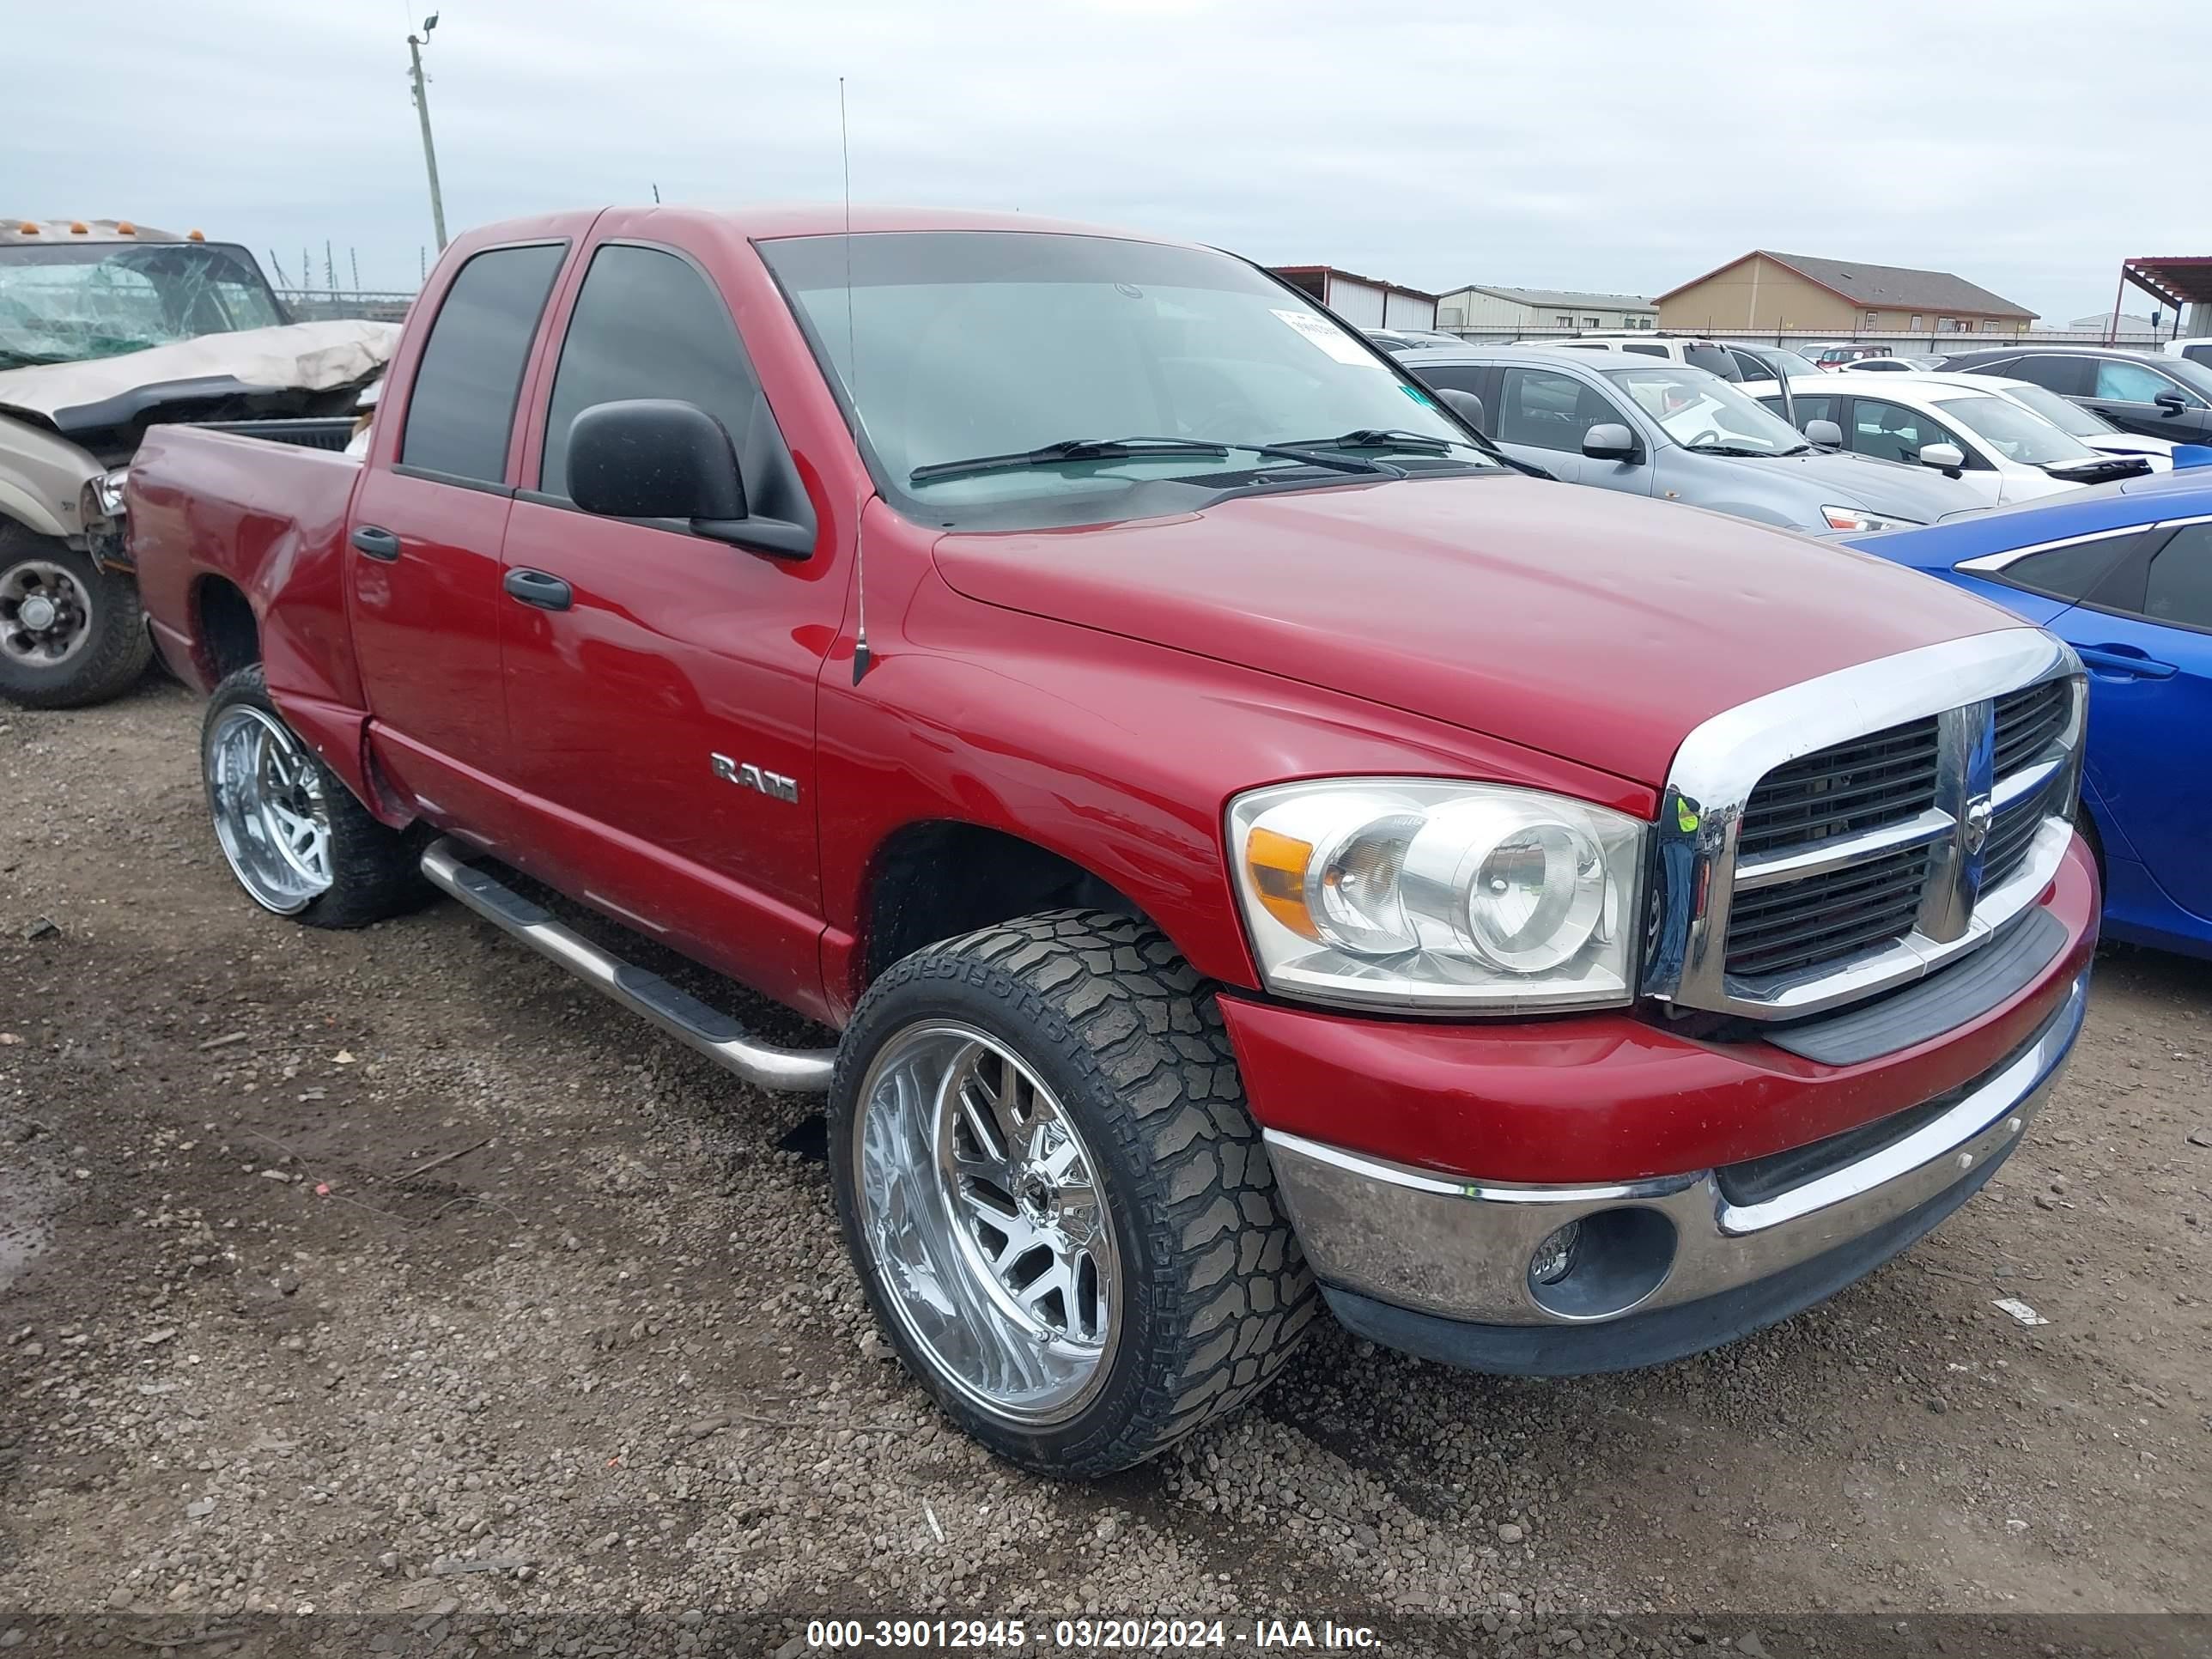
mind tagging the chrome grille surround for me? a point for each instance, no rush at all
(1973, 811)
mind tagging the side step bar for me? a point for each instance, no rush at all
(713, 1034)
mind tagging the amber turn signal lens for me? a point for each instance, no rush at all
(27, 228)
(194, 236)
(1277, 865)
(124, 228)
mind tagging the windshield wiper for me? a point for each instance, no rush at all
(1376, 437)
(1736, 449)
(1116, 449)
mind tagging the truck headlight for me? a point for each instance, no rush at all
(108, 492)
(1412, 893)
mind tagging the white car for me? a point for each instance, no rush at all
(2197, 348)
(1957, 424)
(2091, 427)
(1711, 355)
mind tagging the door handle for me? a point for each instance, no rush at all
(377, 543)
(535, 588)
(2123, 661)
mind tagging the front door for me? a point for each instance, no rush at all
(423, 563)
(661, 683)
(2128, 393)
(1542, 416)
(2149, 658)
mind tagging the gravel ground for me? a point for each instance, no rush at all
(393, 1273)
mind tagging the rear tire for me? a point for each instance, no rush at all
(1061, 1213)
(294, 836)
(70, 633)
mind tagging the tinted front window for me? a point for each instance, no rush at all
(648, 325)
(2197, 354)
(1643, 350)
(1891, 432)
(2130, 383)
(949, 346)
(1548, 411)
(462, 407)
(2180, 586)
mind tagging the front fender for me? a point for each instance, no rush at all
(1117, 755)
(42, 480)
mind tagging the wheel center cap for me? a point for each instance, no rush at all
(37, 614)
(1039, 1198)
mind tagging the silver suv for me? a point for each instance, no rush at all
(1668, 430)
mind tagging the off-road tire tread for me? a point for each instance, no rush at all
(1230, 1294)
(374, 872)
(120, 648)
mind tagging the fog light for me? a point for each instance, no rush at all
(1555, 1257)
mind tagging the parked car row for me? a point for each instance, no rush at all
(1255, 847)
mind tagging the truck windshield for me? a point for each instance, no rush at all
(67, 303)
(1704, 413)
(959, 345)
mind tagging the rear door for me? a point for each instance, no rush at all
(423, 572)
(663, 706)
(2146, 638)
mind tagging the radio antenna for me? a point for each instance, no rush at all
(853, 390)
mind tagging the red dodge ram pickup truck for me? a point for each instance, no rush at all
(1254, 847)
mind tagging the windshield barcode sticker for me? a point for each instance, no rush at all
(1329, 337)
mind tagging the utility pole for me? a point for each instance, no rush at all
(415, 44)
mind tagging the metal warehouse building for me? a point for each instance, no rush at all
(1363, 302)
(1485, 309)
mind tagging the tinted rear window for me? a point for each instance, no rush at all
(2069, 573)
(462, 407)
(1713, 358)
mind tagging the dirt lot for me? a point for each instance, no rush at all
(393, 1273)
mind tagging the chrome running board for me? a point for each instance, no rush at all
(713, 1034)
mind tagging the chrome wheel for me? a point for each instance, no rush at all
(45, 615)
(270, 812)
(985, 1222)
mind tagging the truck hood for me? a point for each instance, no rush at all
(1889, 489)
(105, 392)
(1596, 627)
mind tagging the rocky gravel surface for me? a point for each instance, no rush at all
(393, 1278)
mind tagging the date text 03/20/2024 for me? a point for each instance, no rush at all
(1081, 1634)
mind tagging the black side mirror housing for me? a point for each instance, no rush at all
(653, 458)
(1465, 404)
(2171, 402)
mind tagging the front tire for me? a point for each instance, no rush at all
(70, 633)
(294, 836)
(1060, 1209)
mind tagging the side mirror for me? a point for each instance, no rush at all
(1948, 457)
(1825, 434)
(1609, 441)
(1465, 404)
(2192, 455)
(653, 458)
(2171, 402)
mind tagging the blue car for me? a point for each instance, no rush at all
(2124, 573)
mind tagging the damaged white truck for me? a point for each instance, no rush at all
(107, 328)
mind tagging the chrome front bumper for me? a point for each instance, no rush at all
(1460, 1249)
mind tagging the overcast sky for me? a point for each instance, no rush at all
(1583, 143)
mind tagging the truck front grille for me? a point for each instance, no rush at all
(1882, 778)
(1805, 863)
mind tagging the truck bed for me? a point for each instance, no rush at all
(217, 516)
